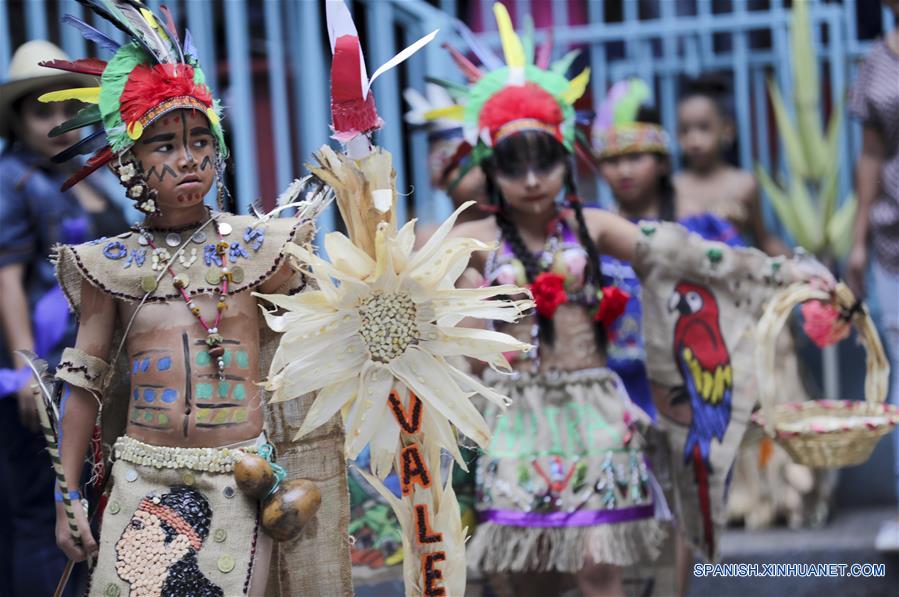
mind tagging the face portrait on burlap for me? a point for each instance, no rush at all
(157, 551)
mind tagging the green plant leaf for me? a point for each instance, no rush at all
(805, 65)
(810, 227)
(834, 127)
(828, 193)
(791, 142)
(840, 227)
(806, 91)
(779, 200)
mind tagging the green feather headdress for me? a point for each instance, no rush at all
(148, 76)
(527, 93)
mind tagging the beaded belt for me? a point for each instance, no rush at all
(214, 460)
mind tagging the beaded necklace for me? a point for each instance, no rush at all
(181, 281)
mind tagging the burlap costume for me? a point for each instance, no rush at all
(565, 475)
(229, 522)
(727, 290)
(317, 563)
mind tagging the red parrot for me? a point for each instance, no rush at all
(704, 363)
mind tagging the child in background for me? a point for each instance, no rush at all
(708, 182)
(633, 154)
(448, 160)
(766, 484)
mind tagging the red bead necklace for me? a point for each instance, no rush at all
(214, 340)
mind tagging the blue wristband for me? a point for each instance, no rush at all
(73, 496)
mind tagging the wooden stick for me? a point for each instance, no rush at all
(64, 579)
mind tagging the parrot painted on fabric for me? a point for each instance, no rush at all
(704, 363)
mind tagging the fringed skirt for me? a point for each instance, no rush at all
(565, 478)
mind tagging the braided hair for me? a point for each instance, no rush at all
(513, 156)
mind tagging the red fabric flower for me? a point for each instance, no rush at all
(612, 303)
(549, 292)
(822, 323)
(149, 86)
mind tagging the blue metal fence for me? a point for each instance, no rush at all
(681, 38)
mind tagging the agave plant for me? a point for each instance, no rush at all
(806, 200)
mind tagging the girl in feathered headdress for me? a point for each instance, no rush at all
(565, 492)
(632, 152)
(563, 486)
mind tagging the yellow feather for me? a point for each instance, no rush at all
(576, 87)
(695, 369)
(718, 390)
(707, 382)
(512, 47)
(148, 16)
(151, 20)
(88, 95)
(449, 113)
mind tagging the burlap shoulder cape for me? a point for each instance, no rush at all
(701, 301)
(317, 563)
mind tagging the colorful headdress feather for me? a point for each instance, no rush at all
(148, 75)
(353, 108)
(527, 93)
(616, 130)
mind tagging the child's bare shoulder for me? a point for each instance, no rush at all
(743, 184)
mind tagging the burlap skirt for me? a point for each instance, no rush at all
(172, 526)
(565, 477)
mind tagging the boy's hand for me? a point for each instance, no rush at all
(64, 539)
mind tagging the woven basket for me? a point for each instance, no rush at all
(824, 433)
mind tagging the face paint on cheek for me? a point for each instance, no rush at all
(160, 172)
(206, 163)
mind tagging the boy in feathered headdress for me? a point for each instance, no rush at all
(172, 346)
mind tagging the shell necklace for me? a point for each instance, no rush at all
(181, 281)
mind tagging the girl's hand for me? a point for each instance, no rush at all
(64, 539)
(806, 268)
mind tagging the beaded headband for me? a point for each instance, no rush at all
(524, 124)
(635, 137)
(173, 519)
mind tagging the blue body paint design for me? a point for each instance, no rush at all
(144, 365)
(164, 364)
(169, 395)
(149, 395)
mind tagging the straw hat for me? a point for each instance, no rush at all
(26, 75)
